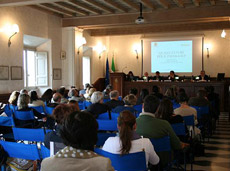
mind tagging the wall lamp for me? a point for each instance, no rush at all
(208, 46)
(100, 49)
(223, 34)
(82, 42)
(10, 30)
(136, 49)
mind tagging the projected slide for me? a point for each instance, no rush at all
(171, 55)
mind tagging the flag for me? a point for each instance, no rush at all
(107, 73)
(113, 65)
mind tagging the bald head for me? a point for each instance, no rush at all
(57, 97)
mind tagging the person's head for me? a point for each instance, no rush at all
(114, 94)
(130, 100)
(61, 91)
(151, 104)
(144, 92)
(172, 73)
(109, 87)
(57, 97)
(14, 98)
(97, 97)
(182, 98)
(47, 95)
(23, 101)
(61, 112)
(146, 74)
(201, 93)
(165, 109)
(133, 91)
(130, 73)
(157, 73)
(33, 96)
(202, 73)
(23, 91)
(72, 93)
(91, 91)
(74, 104)
(126, 123)
(155, 89)
(87, 85)
(79, 130)
(170, 93)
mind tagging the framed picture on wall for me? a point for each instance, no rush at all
(4, 72)
(57, 74)
(16, 72)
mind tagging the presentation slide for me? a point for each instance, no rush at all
(172, 55)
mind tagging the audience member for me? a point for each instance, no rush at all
(144, 92)
(82, 92)
(63, 95)
(129, 100)
(74, 95)
(107, 90)
(129, 141)
(97, 107)
(47, 96)
(165, 112)
(199, 100)
(13, 98)
(79, 134)
(74, 104)
(114, 102)
(23, 91)
(89, 93)
(34, 100)
(156, 92)
(151, 127)
(133, 91)
(55, 100)
(59, 114)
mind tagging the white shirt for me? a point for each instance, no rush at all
(113, 145)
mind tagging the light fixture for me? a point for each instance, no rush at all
(82, 42)
(14, 30)
(136, 53)
(208, 46)
(136, 49)
(223, 34)
(102, 50)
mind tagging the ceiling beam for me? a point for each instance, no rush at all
(131, 4)
(179, 3)
(85, 7)
(72, 8)
(115, 5)
(196, 2)
(46, 10)
(150, 5)
(6, 3)
(57, 9)
(93, 2)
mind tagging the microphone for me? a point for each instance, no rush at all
(123, 68)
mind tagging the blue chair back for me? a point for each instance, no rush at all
(39, 109)
(179, 129)
(45, 152)
(81, 105)
(128, 162)
(49, 110)
(161, 144)
(176, 105)
(19, 150)
(106, 100)
(87, 103)
(114, 115)
(5, 121)
(120, 98)
(138, 108)
(104, 116)
(27, 134)
(107, 125)
(24, 115)
(102, 137)
(8, 111)
(189, 120)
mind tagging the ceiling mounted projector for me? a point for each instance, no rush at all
(140, 19)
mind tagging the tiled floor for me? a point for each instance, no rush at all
(217, 150)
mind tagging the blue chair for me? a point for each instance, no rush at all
(179, 129)
(102, 137)
(114, 115)
(39, 109)
(5, 121)
(176, 105)
(106, 100)
(107, 125)
(8, 111)
(27, 134)
(104, 116)
(189, 120)
(44, 152)
(19, 150)
(161, 144)
(24, 115)
(138, 108)
(120, 98)
(81, 105)
(49, 110)
(128, 162)
(87, 104)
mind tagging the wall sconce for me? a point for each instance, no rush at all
(136, 49)
(14, 30)
(223, 34)
(100, 49)
(208, 46)
(82, 42)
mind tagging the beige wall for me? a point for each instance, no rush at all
(31, 22)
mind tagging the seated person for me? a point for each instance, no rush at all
(74, 95)
(199, 100)
(130, 100)
(114, 102)
(172, 76)
(79, 134)
(63, 95)
(23, 91)
(74, 104)
(47, 96)
(133, 91)
(89, 93)
(130, 76)
(165, 112)
(107, 90)
(157, 76)
(203, 76)
(146, 76)
(97, 107)
(34, 101)
(59, 114)
(56, 100)
(13, 98)
(144, 92)
(156, 92)
(129, 141)
(83, 91)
